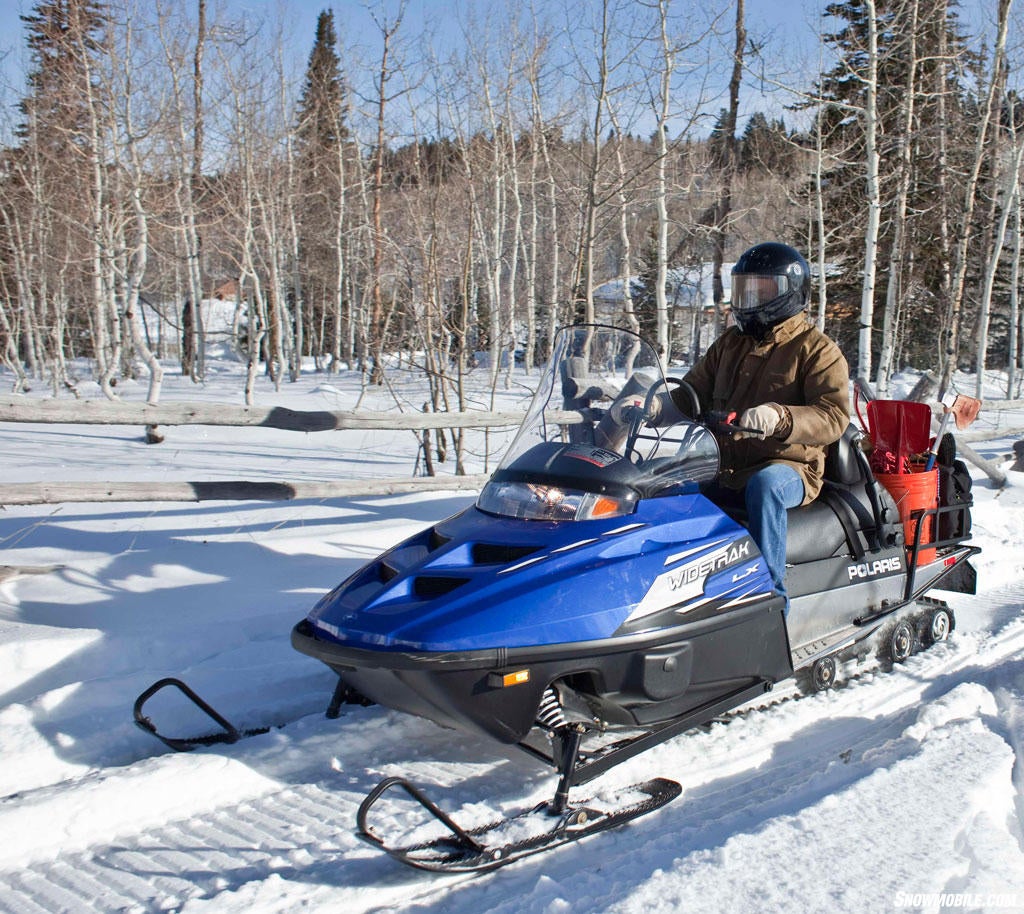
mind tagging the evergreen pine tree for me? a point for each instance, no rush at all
(321, 140)
(54, 144)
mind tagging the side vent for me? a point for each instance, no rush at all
(500, 554)
(428, 586)
(387, 572)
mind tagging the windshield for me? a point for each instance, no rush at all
(585, 429)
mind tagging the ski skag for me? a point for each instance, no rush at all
(540, 829)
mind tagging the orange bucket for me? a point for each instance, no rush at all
(912, 492)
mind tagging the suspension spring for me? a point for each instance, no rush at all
(549, 713)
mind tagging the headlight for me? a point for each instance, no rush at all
(528, 501)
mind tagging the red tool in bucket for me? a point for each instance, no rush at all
(900, 430)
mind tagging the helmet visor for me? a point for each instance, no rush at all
(752, 291)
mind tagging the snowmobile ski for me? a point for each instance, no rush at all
(228, 733)
(488, 847)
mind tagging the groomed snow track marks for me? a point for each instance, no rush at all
(288, 834)
(303, 833)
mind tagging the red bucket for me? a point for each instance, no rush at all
(912, 492)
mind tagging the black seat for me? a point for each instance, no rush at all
(841, 520)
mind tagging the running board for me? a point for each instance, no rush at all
(910, 595)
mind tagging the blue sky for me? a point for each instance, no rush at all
(792, 35)
(352, 17)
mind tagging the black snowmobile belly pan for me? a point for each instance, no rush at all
(635, 680)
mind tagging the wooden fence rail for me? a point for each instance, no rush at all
(108, 412)
(47, 493)
(105, 412)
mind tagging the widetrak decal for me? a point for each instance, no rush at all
(874, 569)
(699, 570)
(683, 586)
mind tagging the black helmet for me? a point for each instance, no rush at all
(770, 282)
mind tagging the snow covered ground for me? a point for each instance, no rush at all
(898, 791)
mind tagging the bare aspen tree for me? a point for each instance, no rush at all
(492, 231)
(192, 233)
(532, 240)
(550, 186)
(584, 268)
(626, 266)
(723, 211)
(388, 29)
(1005, 199)
(188, 147)
(661, 193)
(511, 133)
(290, 217)
(105, 326)
(945, 253)
(19, 326)
(899, 217)
(872, 193)
(961, 258)
(819, 219)
(344, 325)
(1014, 328)
(132, 165)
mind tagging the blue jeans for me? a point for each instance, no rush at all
(768, 493)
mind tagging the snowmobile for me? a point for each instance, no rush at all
(594, 603)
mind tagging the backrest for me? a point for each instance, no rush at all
(842, 464)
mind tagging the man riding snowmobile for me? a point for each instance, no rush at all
(786, 385)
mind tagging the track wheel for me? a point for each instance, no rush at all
(823, 674)
(936, 624)
(818, 677)
(941, 623)
(901, 641)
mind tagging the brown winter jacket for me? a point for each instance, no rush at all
(795, 366)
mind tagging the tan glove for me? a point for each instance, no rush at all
(765, 419)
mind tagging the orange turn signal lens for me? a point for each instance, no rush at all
(516, 678)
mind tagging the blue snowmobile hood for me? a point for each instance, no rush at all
(476, 581)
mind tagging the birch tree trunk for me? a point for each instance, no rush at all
(819, 220)
(377, 322)
(970, 198)
(661, 193)
(723, 212)
(873, 195)
(899, 219)
(1013, 363)
(583, 292)
(195, 190)
(137, 250)
(1009, 192)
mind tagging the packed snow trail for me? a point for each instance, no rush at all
(269, 822)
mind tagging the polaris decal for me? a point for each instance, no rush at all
(682, 586)
(877, 568)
